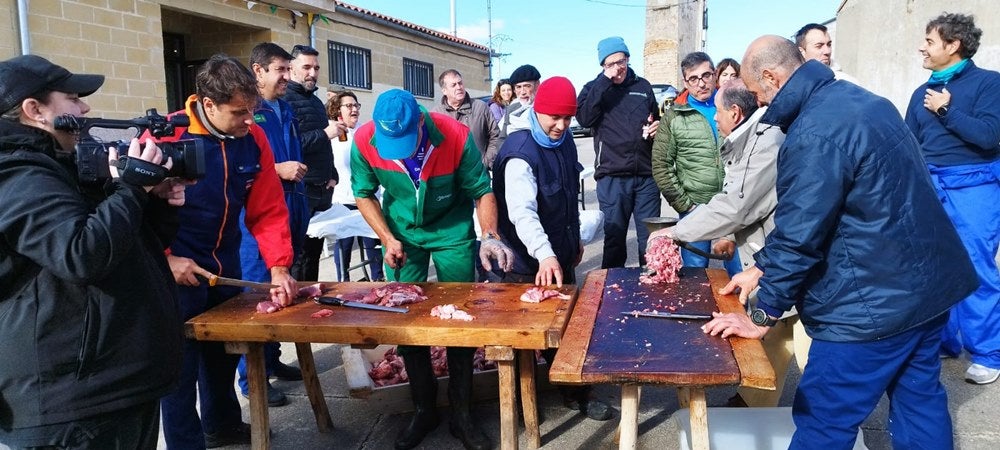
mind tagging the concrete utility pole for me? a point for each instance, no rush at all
(674, 28)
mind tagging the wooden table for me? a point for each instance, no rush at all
(603, 346)
(509, 329)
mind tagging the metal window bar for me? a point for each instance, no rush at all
(418, 78)
(350, 66)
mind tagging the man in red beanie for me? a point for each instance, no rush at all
(536, 181)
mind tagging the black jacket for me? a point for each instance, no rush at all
(617, 113)
(89, 320)
(311, 116)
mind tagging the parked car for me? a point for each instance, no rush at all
(665, 95)
(578, 130)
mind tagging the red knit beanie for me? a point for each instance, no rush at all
(557, 97)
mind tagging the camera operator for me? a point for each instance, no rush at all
(90, 332)
(239, 173)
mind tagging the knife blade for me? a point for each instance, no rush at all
(666, 315)
(337, 301)
(217, 280)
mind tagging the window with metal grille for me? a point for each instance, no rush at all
(418, 78)
(350, 66)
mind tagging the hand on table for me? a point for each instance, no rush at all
(733, 324)
(286, 290)
(746, 281)
(549, 272)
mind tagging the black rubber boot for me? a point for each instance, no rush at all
(423, 390)
(460, 396)
(578, 398)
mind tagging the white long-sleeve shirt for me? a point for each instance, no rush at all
(522, 208)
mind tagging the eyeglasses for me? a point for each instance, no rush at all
(620, 63)
(351, 106)
(706, 77)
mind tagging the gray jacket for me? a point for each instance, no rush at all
(745, 207)
(476, 115)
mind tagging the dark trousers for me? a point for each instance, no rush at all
(372, 254)
(620, 199)
(206, 371)
(843, 382)
(131, 428)
(306, 267)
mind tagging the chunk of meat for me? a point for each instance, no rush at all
(536, 294)
(392, 294)
(313, 290)
(451, 312)
(268, 307)
(322, 313)
(663, 256)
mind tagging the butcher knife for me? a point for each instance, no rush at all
(666, 315)
(216, 280)
(337, 301)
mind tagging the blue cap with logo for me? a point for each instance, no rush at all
(396, 117)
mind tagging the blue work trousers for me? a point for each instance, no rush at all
(620, 199)
(844, 381)
(970, 194)
(207, 371)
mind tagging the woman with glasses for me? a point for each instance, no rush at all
(343, 106)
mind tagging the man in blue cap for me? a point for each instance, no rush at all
(433, 174)
(621, 109)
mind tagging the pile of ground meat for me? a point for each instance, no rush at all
(663, 256)
(391, 370)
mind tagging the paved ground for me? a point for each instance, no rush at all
(362, 424)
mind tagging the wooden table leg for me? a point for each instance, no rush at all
(504, 357)
(629, 425)
(529, 405)
(260, 437)
(313, 389)
(699, 419)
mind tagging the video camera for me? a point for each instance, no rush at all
(92, 154)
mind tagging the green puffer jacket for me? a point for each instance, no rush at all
(686, 163)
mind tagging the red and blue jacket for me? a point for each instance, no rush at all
(239, 174)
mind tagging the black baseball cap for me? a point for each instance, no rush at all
(25, 75)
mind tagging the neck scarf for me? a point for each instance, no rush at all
(539, 136)
(945, 75)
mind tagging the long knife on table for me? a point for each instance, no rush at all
(337, 301)
(217, 280)
(666, 315)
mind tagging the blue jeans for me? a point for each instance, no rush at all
(691, 259)
(622, 198)
(843, 382)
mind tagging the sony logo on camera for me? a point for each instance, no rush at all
(188, 155)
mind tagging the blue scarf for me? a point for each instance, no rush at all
(539, 136)
(945, 75)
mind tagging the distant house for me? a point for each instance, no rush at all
(150, 49)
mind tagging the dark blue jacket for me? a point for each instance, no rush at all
(311, 116)
(557, 174)
(861, 243)
(970, 132)
(617, 113)
(283, 136)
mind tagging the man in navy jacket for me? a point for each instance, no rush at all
(956, 117)
(861, 247)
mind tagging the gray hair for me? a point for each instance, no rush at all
(735, 92)
(452, 72)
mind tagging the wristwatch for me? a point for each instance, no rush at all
(942, 110)
(760, 318)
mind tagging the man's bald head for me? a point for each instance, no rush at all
(768, 63)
